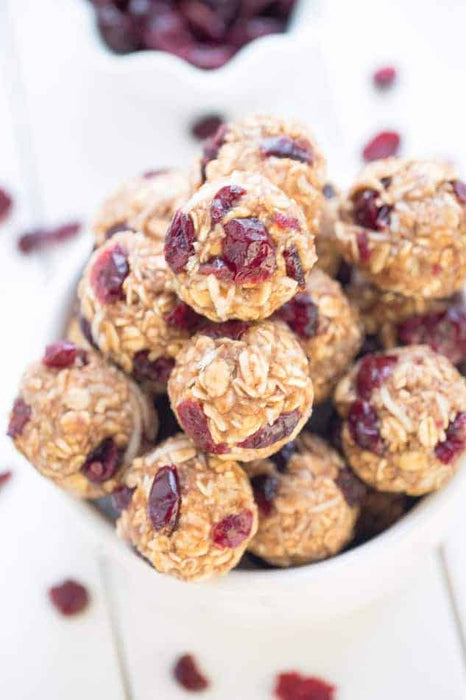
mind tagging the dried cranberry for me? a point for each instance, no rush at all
(194, 422)
(165, 499)
(459, 188)
(286, 222)
(121, 497)
(212, 147)
(294, 686)
(245, 31)
(293, 266)
(63, 354)
(103, 462)
(443, 331)
(352, 488)
(265, 488)
(167, 30)
(4, 477)
(20, 415)
(279, 430)
(184, 317)
(384, 77)
(383, 145)
(187, 674)
(155, 172)
(43, 237)
(232, 530)
(329, 191)
(283, 456)
(224, 200)
(228, 329)
(455, 440)
(6, 203)
(206, 126)
(108, 273)
(363, 424)
(219, 268)
(118, 30)
(373, 371)
(158, 370)
(248, 251)
(116, 228)
(366, 213)
(179, 242)
(207, 56)
(362, 241)
(69, 597)
(203, 19)
(301, 314)
(286, 147)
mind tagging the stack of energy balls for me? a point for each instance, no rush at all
(217, 286)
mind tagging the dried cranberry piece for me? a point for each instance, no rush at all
(4, 477)
(187, 674)
(206, 126)
(155, 172)
(363, 424)
(268, 435)
(329, 191)
(232, 530)
(103, 462)
(212, 147)
(283, 456)
(352, 488)
(203, 19)
(118, 30)
(207, 56)
(244, 31)
(293, 266)
(194, 422)
(384, 77)
(366, 213)
(69, 597)
(286, 147)
(459, 188)
(167, 30)
(383, 145)
(63, 354)
(179, 241)
(158, 370)
(6, 204)
(443, 331)
(373, 371)
(249, 251)
(121, 497)
(20, 415)
(362, 241)
(218, 267)
(301, 314)
(455, 440)
(228, 329)
(116, 228)
(224, 200)
(184, 317)
(286, 222)
(108, 274)
(43, 237)
(165, 499)
(294, 686)
(265, 487)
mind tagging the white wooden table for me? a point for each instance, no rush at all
(409, 645)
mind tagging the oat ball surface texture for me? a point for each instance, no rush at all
(404, 419)
(239, 249)
(143, 204)
(191, 515)
(404, 227)
(242, 390)
(308, 503)
(327, 327)
(328, 255)
(80, 421)
(284, 151)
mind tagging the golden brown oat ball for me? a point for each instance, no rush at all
(190, 515)
(404, 227)
(79, 421)
(379, 511)
(328, 329)
(328, 255)
(404, 419)
(308, 503)
(241, 391)
(239, 249)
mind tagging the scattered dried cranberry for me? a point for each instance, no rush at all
(121, 497)
(455, 440)
(366, 213)
(6, 203)
(224, 200)
(165, 499)
(301, 314)
(373, 371)
(282, 457)
(265, 487)
(352, 488)
(108, 273)
(228, 329)
(286, 147)
(155, 172)
(286, 222)
(4, 477)
(206, 126)
(218, 268)
(212, 147)
(179, 242)
(232, 530)
(69, 597)
(207, 56)
(102, 462)
(117, 29)
(363, 424)
(184, 317)
(279, 430)
(248, 251)
(293, 266)
(194, 422)
(384, 77)
(294, 686)
(187, 674)
(158, 370)
(116, 228)
(459, 188)
(166, 30)
(63, 354)
(245, 31)
(20, 415)
(443, 331)
(329, 191)
(383, 145)
(43, 237)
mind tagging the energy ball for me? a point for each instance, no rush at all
(189, 514)
(241, 391)
(328, 329)
(283, 151)
(134, 318)
(404, 419)
(308, 503)
(239, 249)
(79, 421)
(145, 204)
(328, 255)
(379, 511)
(404, 227)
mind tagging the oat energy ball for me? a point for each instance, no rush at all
(241, 391)
(328, 329)
(189, 514)
(79, 421)
(282, 150)
(308, 503)
(239, 249)
(144, 204)
(328, 255)
(404, 226)
(404, 419)
(134, 319)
